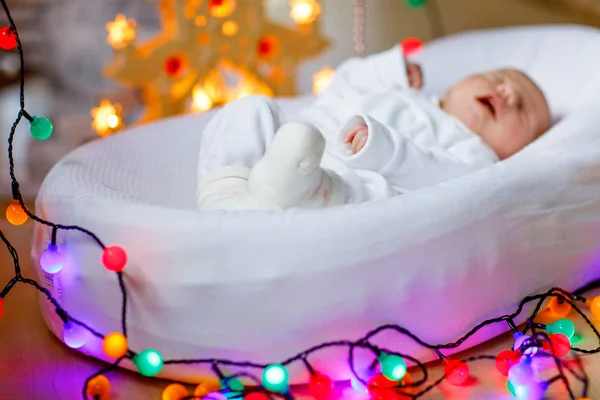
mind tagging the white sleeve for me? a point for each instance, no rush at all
(395, 156)
(377, 73)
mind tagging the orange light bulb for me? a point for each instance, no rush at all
(15, 214)
(204, 388)
(115, 345)
(98, 387)
(175, 391)
(594, 306)
(559, 308)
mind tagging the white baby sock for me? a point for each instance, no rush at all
(227, 189)
(289, 174)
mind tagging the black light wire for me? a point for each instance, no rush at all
(364, 342)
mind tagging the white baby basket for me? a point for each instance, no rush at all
(262, 287)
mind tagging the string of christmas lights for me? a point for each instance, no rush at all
(386, 379)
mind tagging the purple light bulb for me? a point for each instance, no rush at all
(53, 259)
(533, 391)
(519, 340)
(74, 335)
(521, 374)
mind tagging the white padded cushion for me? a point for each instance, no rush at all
(262, 287)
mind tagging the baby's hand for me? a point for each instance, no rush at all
(357, 138)
(415, 75)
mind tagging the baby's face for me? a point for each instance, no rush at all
(505, 108)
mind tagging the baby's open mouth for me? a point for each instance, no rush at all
(487, 102)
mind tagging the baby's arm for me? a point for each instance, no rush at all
(377, 73)
(373, 146)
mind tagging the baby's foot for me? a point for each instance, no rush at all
(289, 174)
(229, 192)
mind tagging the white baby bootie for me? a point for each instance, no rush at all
(289, 174)
(227, 189)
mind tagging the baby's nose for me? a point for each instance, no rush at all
(508, 94)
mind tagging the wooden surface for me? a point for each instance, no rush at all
(35, 365)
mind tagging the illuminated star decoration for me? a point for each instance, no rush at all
(106, 118)
(121, 31)
(175, 70)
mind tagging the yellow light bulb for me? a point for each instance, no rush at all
(106, 118)
(305, 11)
(321, 79)
(201, 101)
(121, 32)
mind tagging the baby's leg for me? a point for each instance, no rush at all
(234, 140)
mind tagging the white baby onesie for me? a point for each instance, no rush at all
(411, 144)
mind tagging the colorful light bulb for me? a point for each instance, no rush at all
(41, 128)
(560, 344)
(75, 335)
(511, 388)
(175, 391)
(15, 214)
(457, 372)
(393, 367)
(594, 306)
(416, 3)
(256, 396)
(507, 359)
(204, 388)
(98, 388)
(149, 362)
(521, 339)
(562, 326)
(379, 384)
(114, 258)
(53, 259)
(232, 384)
(275, 378)
(357, 385)
(8, 39)
(216, 396)
(1, 301)
(533, 391)
(559, 308)
(115, 345)
(320, 385)
(411, 46)
(521, 374)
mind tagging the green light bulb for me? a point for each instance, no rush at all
(392, 367)
(416, 3)
(563, 326)
(149, 362)
(275, 378)
(41, 128)
(233, 387)
(511, 388)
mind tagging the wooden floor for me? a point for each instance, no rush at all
(35, 365)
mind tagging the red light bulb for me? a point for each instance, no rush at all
(320, 386)
(114, 258)
(8, 39)
(380, 384)
(560, 344)
(457, 372)
(411, 46)
(173, 66)
(1, 300)
(256, 396)
(507, 359)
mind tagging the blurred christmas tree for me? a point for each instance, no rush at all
(209, 52)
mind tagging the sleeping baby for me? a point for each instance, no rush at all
(372, 134)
